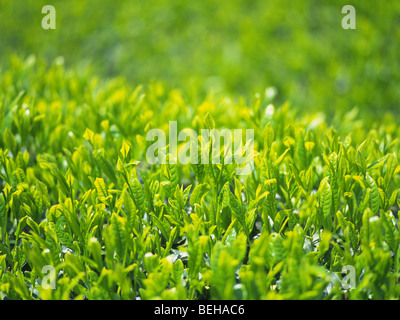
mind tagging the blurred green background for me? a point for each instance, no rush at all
(230, 47)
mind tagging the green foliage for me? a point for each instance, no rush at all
(77, 194)
(237, 47)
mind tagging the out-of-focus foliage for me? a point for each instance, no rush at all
(77, 193)
(226, 46)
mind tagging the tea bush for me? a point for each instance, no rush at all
(77, 194)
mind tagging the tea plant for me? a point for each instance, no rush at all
(77, 194)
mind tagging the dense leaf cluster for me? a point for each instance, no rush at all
(76, 193)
